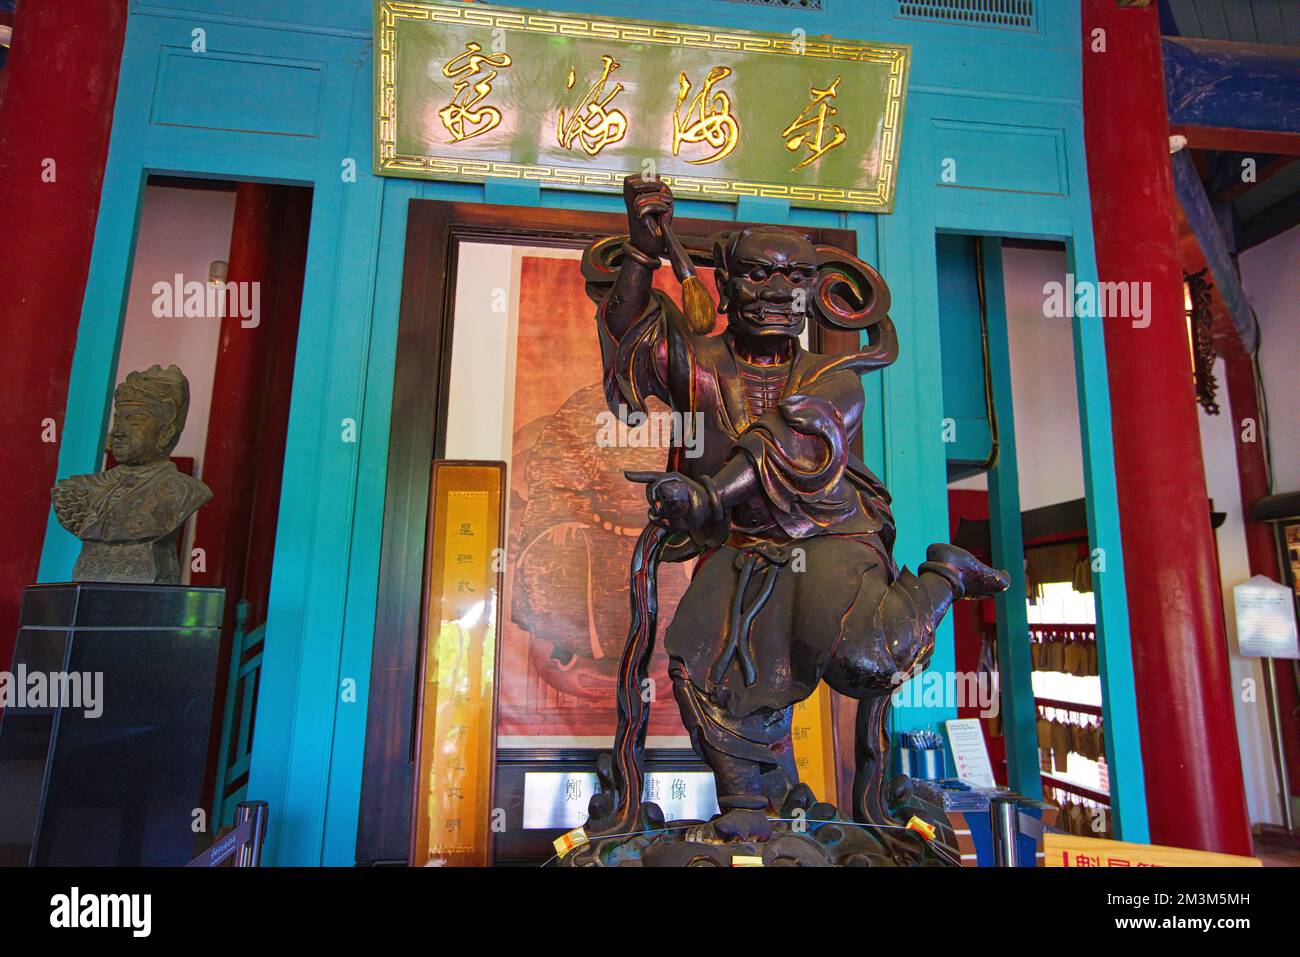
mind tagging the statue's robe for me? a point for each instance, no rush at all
(130, 519)
(817, 539)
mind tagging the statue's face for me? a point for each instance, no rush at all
(770, 280)
(136, 437)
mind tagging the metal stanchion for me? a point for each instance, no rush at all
(1279, 743)
(1004, 818)
(250, 853)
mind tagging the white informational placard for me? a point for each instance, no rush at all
(1265, 619)
(969, 753)
(559, 798)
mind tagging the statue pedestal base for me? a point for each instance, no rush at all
(807, 834)
(104, 734)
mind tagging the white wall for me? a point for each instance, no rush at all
(481, 394)
(1046, 406)
(1048, 442)
(181, 231)
(1219, 452)
(1270, 275)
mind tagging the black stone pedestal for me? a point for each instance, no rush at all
(112, 772)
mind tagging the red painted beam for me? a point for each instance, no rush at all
(60, 115)
(1234, 140)
(1195, 794)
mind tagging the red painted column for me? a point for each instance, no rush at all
(244, 449)
(232, 449)
(1195, 794)
(243, 453)
(971, 620)
(60, 84)
(291, 267)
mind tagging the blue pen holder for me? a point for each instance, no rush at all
(926, 764)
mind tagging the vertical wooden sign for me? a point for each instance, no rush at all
(813, 734)
(456, 721)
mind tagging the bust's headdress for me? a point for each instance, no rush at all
(164, 392)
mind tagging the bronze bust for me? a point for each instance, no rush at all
(129, 518)
(795, 581)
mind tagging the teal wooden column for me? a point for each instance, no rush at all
(1128, 801)
(1015, 668)
(912, 414)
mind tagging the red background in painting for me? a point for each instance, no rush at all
(566, 603)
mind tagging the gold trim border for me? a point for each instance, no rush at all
(389, 161)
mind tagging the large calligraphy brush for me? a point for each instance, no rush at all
(697, 304)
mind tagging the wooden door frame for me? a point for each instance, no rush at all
(417, 435)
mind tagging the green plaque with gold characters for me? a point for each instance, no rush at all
(469, 91)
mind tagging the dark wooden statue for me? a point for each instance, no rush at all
(796, 581)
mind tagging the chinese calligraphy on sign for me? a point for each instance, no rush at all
(1069, 850)
(466, 96)
(815, 141)
(813, 734)
(456, 721)
(592, 122)
(558, 799)
(579, 102)
(709, 118)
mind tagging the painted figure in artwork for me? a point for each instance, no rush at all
(796, 581)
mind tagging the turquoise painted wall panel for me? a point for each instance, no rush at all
(1000, 157)
(196, 91)
(915, 461)
(310, 730)
(962, 347)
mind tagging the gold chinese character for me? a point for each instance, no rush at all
(599, 126)
(464, 106)
(815, 139)
(709, 118)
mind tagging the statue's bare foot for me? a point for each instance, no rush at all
(977, 579)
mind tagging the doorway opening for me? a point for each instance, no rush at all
(216, 290)
(1016, 486)
(502, 367)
